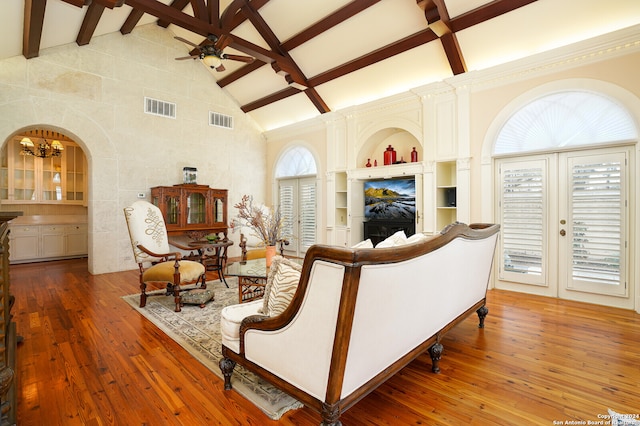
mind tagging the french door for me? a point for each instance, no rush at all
(298, 206)
(564, 220)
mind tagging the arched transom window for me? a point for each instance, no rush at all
(297, 161)
(565, 119)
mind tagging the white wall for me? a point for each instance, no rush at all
(95, 95)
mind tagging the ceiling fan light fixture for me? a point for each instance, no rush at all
(212, 61)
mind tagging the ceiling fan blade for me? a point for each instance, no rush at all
(184, 40)
(223, 41)
(220, 68)
(247, 59)
(187, 57)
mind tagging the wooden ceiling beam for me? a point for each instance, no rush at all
(437, 16)
(197, 26)
(176, 4)
(454, 53)
(109, 3)
(400, 46)
(275, 97)
(89, 23)
(78, 3)
(213, 7)
(292, 72)
(329, 22)
(239, 73)
(32, 32)
(200, 10)
(486, 12)
(132, 20)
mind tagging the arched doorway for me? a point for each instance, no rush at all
(43, 179)
(295, 174)
(565, 165)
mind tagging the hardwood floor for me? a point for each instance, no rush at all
(90, 359)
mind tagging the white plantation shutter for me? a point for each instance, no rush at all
(522, 209)
(287, 208)
(307, 213)
(597, 220)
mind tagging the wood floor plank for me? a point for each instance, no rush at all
(89, 358)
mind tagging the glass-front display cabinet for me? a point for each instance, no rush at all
(192, 207)
(41, 177)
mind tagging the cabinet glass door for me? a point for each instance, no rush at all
(23, 176)
(51, 179)
(172, 208)
(196, 208)
(75, 163)
(218, 210)
(4, 174)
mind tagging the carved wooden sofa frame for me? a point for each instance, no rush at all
(361, 315)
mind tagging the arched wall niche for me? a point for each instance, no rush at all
(104, 227)
(374, 144)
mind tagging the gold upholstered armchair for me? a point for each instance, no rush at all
(156, 261)
(253, 248)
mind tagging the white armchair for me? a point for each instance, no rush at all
(156, 261)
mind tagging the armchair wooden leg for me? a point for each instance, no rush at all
(143, 294)
(177, 298)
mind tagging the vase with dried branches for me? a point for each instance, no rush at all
(264, 223)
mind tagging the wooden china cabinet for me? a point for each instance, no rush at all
(192, 207)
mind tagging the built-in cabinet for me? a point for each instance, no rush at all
(446, 194)
(28, 179)
(341, 205)
(191, 207)
(437, 191)
(38, 238)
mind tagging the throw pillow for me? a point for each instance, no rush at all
(364, 244)
(416, 238)
(397, 239)
(282, 283)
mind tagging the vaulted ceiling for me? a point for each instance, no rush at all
(315, 56)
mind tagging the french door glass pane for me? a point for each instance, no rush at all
(597, 215)
(287, 209)
(307, 214)
(522, 219)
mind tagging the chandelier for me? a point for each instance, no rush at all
(43, 149)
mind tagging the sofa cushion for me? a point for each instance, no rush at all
(397, 239)
(282, 283)
(417, 238)
(230, 319)
(363, 244)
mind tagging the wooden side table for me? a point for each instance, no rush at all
(252, 278)
(212, 255)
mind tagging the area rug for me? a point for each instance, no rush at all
(198, 331)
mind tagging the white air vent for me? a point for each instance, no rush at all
(220, 120)
(161, 108)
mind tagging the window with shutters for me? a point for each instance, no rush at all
(296, 171)
(564, 203)
(522, 208)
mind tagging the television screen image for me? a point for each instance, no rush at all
(390, 199)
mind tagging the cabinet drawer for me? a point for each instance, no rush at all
(16, 231)
(52, 229)
(76, 229)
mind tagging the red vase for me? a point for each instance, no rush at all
(414, 155)
(389, 156)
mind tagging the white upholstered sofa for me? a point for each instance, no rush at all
(360, 315)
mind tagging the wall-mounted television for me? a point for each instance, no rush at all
(390, 199)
